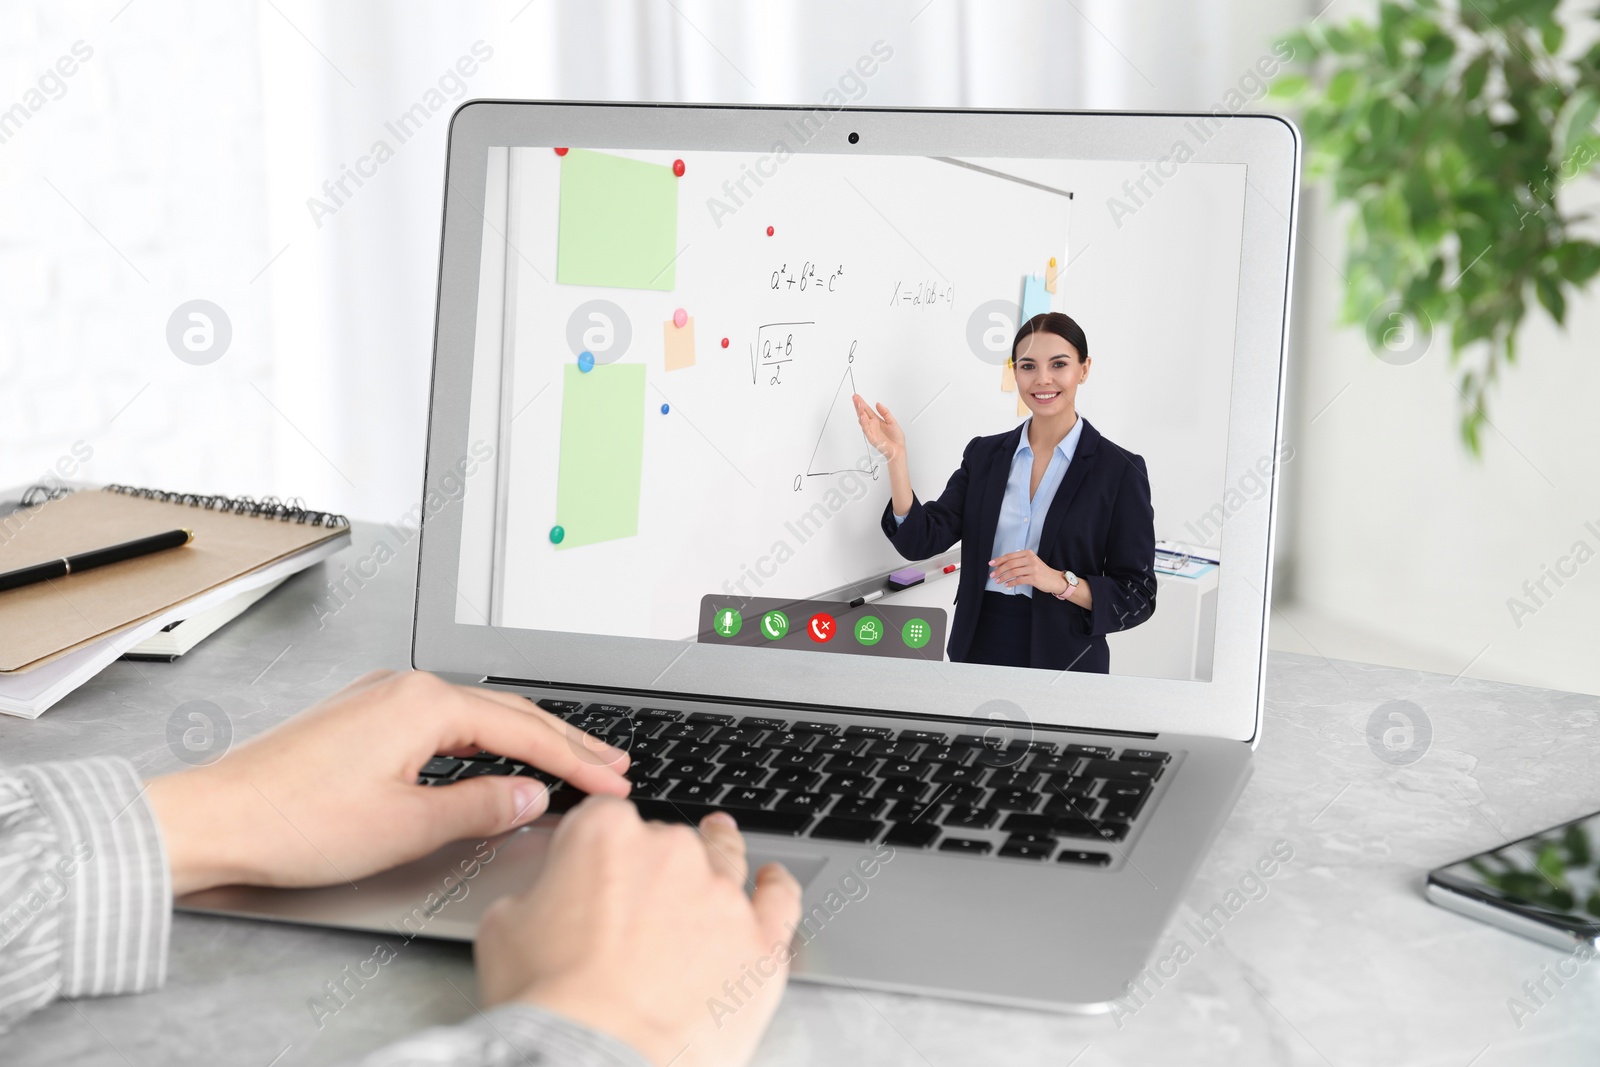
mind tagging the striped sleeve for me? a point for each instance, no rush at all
(512, 1035)
(85, 894)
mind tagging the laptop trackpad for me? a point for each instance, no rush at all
(442, 895)
(520, 856)
(514, 862)
(804, 868)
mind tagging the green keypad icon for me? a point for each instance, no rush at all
(916, 633)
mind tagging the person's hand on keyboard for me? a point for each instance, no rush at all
(332, 795)
(643, 930)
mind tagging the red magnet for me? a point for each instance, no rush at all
(561, 151)
(724, 342)
(677, 167)
(769, 231)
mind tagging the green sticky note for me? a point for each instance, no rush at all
(618, 222)
(602, 454)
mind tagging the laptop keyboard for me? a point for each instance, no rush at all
(1032, 800)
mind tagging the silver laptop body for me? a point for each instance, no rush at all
(1053, 933)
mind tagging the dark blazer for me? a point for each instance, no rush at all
(1100, 526)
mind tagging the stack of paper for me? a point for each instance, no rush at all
(176, 638)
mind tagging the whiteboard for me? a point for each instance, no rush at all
(757, 480)
(1156, 293)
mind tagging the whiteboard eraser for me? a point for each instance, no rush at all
(905, 579)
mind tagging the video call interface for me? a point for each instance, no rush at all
(665, 441)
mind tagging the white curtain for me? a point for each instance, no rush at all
(188, 159)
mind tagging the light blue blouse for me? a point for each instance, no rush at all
(1021, 521)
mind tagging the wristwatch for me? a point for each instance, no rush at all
(1072, 583)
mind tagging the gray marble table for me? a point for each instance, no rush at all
(1341, 962)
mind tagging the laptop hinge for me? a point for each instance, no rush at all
(645, 695)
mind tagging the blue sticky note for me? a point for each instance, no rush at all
(1035, 299)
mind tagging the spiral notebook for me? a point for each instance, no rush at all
(63, 631)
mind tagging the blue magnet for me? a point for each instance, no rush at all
(586, 361)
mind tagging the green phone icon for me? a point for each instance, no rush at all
(727, 622)
(774, 624)
(869, 630)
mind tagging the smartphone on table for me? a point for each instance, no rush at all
(1545, 886)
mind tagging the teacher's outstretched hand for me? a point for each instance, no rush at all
(885, 434)
(882, 431)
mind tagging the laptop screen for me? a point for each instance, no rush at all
(968, 411)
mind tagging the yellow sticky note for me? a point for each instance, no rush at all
(1022, 409)
(1008, 378)
(1050, 276)
(679, 342)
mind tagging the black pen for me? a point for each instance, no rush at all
(95, 557)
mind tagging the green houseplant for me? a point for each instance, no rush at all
(1450, 130)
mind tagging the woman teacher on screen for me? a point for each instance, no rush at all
(1056, 529)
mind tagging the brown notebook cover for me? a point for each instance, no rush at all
(41, 621)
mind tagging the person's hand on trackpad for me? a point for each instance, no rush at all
(631, 929)
(643, 931)
(332, 795)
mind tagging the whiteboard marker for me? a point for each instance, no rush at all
(876, 594)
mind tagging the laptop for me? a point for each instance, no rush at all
(650, 505)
